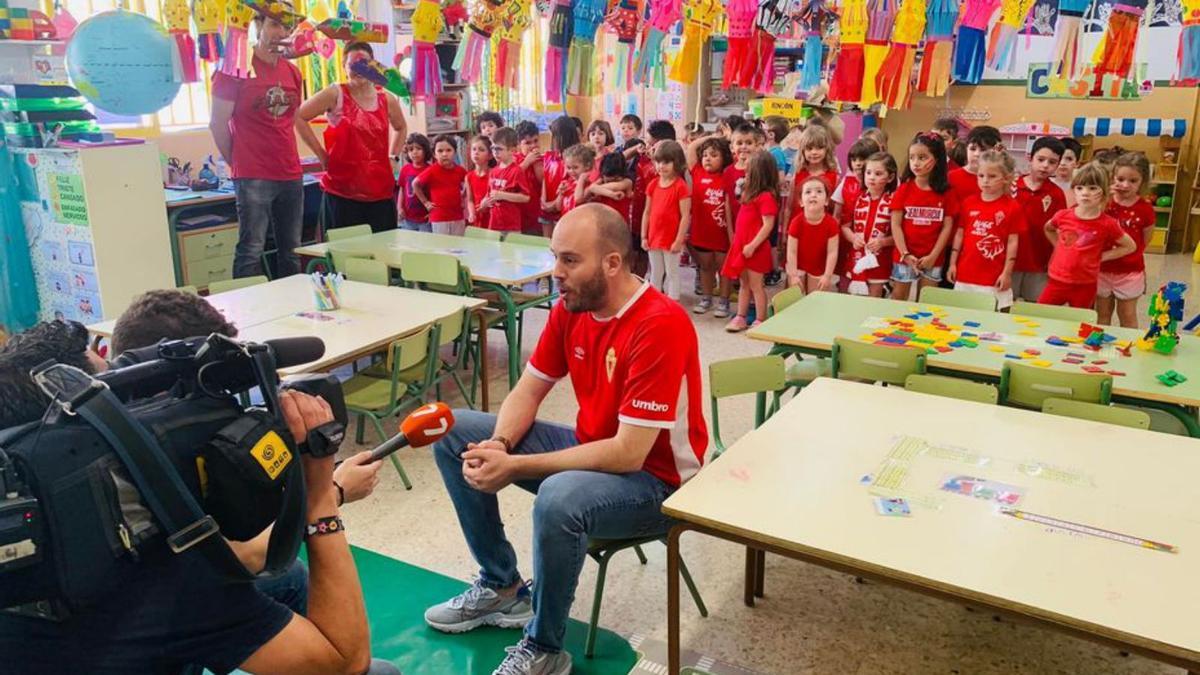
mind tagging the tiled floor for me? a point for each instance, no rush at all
(812, 620)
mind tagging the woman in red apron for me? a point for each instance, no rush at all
(358, 182)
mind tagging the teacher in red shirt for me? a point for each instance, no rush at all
(633, 361)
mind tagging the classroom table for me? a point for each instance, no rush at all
(494, 265)
(371, 317)
(811, 324)
(803, 486)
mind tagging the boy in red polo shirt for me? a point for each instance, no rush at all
(979, 140)
(508, 187)
(529, 156)
(1040, 198)
(986, 241)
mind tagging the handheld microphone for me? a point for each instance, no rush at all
(424, 426)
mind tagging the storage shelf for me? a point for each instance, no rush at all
(1163, 209)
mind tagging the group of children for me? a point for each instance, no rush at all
(957, 216)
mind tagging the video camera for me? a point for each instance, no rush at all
(160, 451)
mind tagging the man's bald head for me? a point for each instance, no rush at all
(598, 226)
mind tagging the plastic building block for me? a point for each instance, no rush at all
(971, 324)
(1056, 341)
(1032, 351)
(1040, 363)
(1029, 333)
(1093, 369)
(996, 348)
(1116, 373)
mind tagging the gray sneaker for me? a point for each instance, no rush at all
(481, 606)
(525, 659)
(703, 306)
(722, 309)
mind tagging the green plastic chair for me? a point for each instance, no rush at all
(1028, 386)
(410, 366)
(1161, 421)
(953, 387)
(366, 270)
(480, 233)
(348, 232)
(527, 239)
(784, 299)
(338, 260)
(932, 295)
(802, 371)
(1095, 412)
(601, 550)
(1022, 308)
(875, 363)
(234, 284)
(758, 375)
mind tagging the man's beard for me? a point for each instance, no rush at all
(588, 296)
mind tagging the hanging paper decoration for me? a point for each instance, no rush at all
(485, 15)
(881, 16)
(1189, 44)
(970, 47)
(581, 66)
(179, 23)
(1066, 37)
(427, 23)
(700, 18)
(623, 22)
(940, 18)
(1114, 54)
(207, 15)
(894, 81)
(815, 17)
(739, 58)
(346, 29)
(663, 15)
(455, 13)
(1002, 45)
(514, 19)
(847, 80)
(236, 62)
(775, 19)
(64, 24)
(561, 25)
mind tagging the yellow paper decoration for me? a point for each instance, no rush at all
(853, 22)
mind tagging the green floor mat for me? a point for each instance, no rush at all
(398, 593)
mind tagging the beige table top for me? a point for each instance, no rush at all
(371, 316)
(489, 261)
(795, 484)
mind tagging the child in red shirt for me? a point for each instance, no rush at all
(563, 134)
(413, 214)
(612, 186)
(711, 230)
(441, 189)
(477, 180)
(869, 232)
(987, 239)
(845, 196)
(577, 162)
(529, 157)
(1040, 198)
(1083, 239)
(979, 140)
(816, 159)
(812, 245)
(666, 219)
(1123, 280)
(749, 254)
(923, 212)
(508, 188)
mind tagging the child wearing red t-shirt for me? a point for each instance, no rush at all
(1084, 237)
(563, 134)
(441, 189)
(812, 245)
(577, 162)
(923, 212)
(477, 180)
(1040, 198)
(1123, 281)
(869, 232)
(529, 157)
(987, 239)
(979, 140)
(711, 230)
(413, 214)
(749, 254)
(816, 159)
(612, 187)
(845, 196)
(666, 219)
(508, 188)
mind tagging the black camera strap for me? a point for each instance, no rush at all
(186, 524)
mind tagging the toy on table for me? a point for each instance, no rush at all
(1189, 44)
(970, 47)
(1166, 311)
(881, 16)
(179, 23)
(940, 17)
(236, 62)
(388, 78)
(206, 14)
(700, 18)
(894, 80)
(1171, 378)
(347, 29)
(1065, 61)
(1002, 45)
(485, 16)
(739, 59)
(561, 25)
(847, 80)
(663, 15)
(1114, 54)
(815, 18)
(623, 22)
(581, 58)
(427, 23)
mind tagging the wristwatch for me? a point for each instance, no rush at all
(328, 525)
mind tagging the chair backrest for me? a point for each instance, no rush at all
(1029, 386)
(480, 233)
(436, 272)
(366, 270)
(751, 375)
(411, 349)
(1095, 412)
(527, 239)
(1022, 308)
(953, 387)
(1161, 420)
(347, 232)
(452, 326)
(234, 284)
(340, 258)
(875, 363)
(932, 295)
(784, 299)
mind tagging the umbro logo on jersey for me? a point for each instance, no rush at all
(579, 354)
(650, 406)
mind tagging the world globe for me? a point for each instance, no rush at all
(121, 61)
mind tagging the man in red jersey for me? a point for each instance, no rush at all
(633, 360)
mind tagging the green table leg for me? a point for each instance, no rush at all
(510, 331)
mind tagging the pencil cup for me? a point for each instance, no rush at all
(327, 291)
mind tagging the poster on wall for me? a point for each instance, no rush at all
(67, 199)
(1042, 83)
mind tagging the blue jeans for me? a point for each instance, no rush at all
(406, 224)
(570, 508)
(263, 204)
(289, 588)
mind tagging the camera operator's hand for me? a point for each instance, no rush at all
(302, 414)
(358, 476)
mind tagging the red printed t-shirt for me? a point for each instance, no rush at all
(1076, 258)
(986, 227)
(802, 175)
(411, 207)
(1134, 219)
(506, 216)
(666, 212)
(264, 112)
(708, 210)
(554, 172)
(640, 367)
(568, 197)
(812, 241)
(923, 213)
(732, 180)
(444, 188)
(872, 219)
(963, 183)
(621, 206)
(532, 208)
(479, 190)
(846, 194)
(1033, 247)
